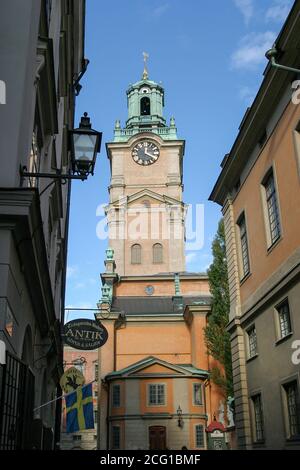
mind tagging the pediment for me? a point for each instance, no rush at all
(140, 196)
(153, 366)
(158, 369)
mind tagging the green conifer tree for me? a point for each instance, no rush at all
(216, 337)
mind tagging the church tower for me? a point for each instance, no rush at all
(154, 389)
(146, 212)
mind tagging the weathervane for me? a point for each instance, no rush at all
(145, 73)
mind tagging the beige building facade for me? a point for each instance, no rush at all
(156, 391)
(146, 212)
(259, 192)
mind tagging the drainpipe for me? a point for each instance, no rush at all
(206, 383)
(271, 54)
(118, 324)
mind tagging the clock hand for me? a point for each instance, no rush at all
(148, 154)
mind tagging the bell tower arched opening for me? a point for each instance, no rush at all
(145, 106)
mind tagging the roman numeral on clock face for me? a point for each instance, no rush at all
(145, 153)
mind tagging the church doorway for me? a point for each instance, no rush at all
(157, 438)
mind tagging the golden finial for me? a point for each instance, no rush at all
(145, 73)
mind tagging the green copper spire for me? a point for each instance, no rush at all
(145, 101)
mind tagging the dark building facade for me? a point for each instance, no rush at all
(41, 56)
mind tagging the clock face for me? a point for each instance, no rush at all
(145, 153)
(149, 290)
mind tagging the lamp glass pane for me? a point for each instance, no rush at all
(84, 146)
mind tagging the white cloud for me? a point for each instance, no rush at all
(72, 271)
(246, 7)
(85, 283)
(252, 49)
(190, 257)
(247, 95)
(279, 11)
(199, 261)
(160, 10)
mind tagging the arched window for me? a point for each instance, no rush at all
(136, 254)
(145, 106)
(157, 253)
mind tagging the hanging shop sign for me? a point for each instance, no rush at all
(71, 380)
(85, 334)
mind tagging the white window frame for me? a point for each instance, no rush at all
(277, 307)
(156, 384)
(195, 434)
(288, 381)
(248, 331)
(256, 438)
(243, 273)
(266, 217)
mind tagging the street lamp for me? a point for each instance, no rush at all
(84, 144)
(179, 414)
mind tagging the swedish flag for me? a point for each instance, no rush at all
(80, 413)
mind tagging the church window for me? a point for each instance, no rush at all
(199, 435)
(136, 254)
(145, 106)
(116, 396)
(156, 394)
(197, 389)
(116, 437)
(157, 253)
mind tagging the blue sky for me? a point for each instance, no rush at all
(210, 59)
